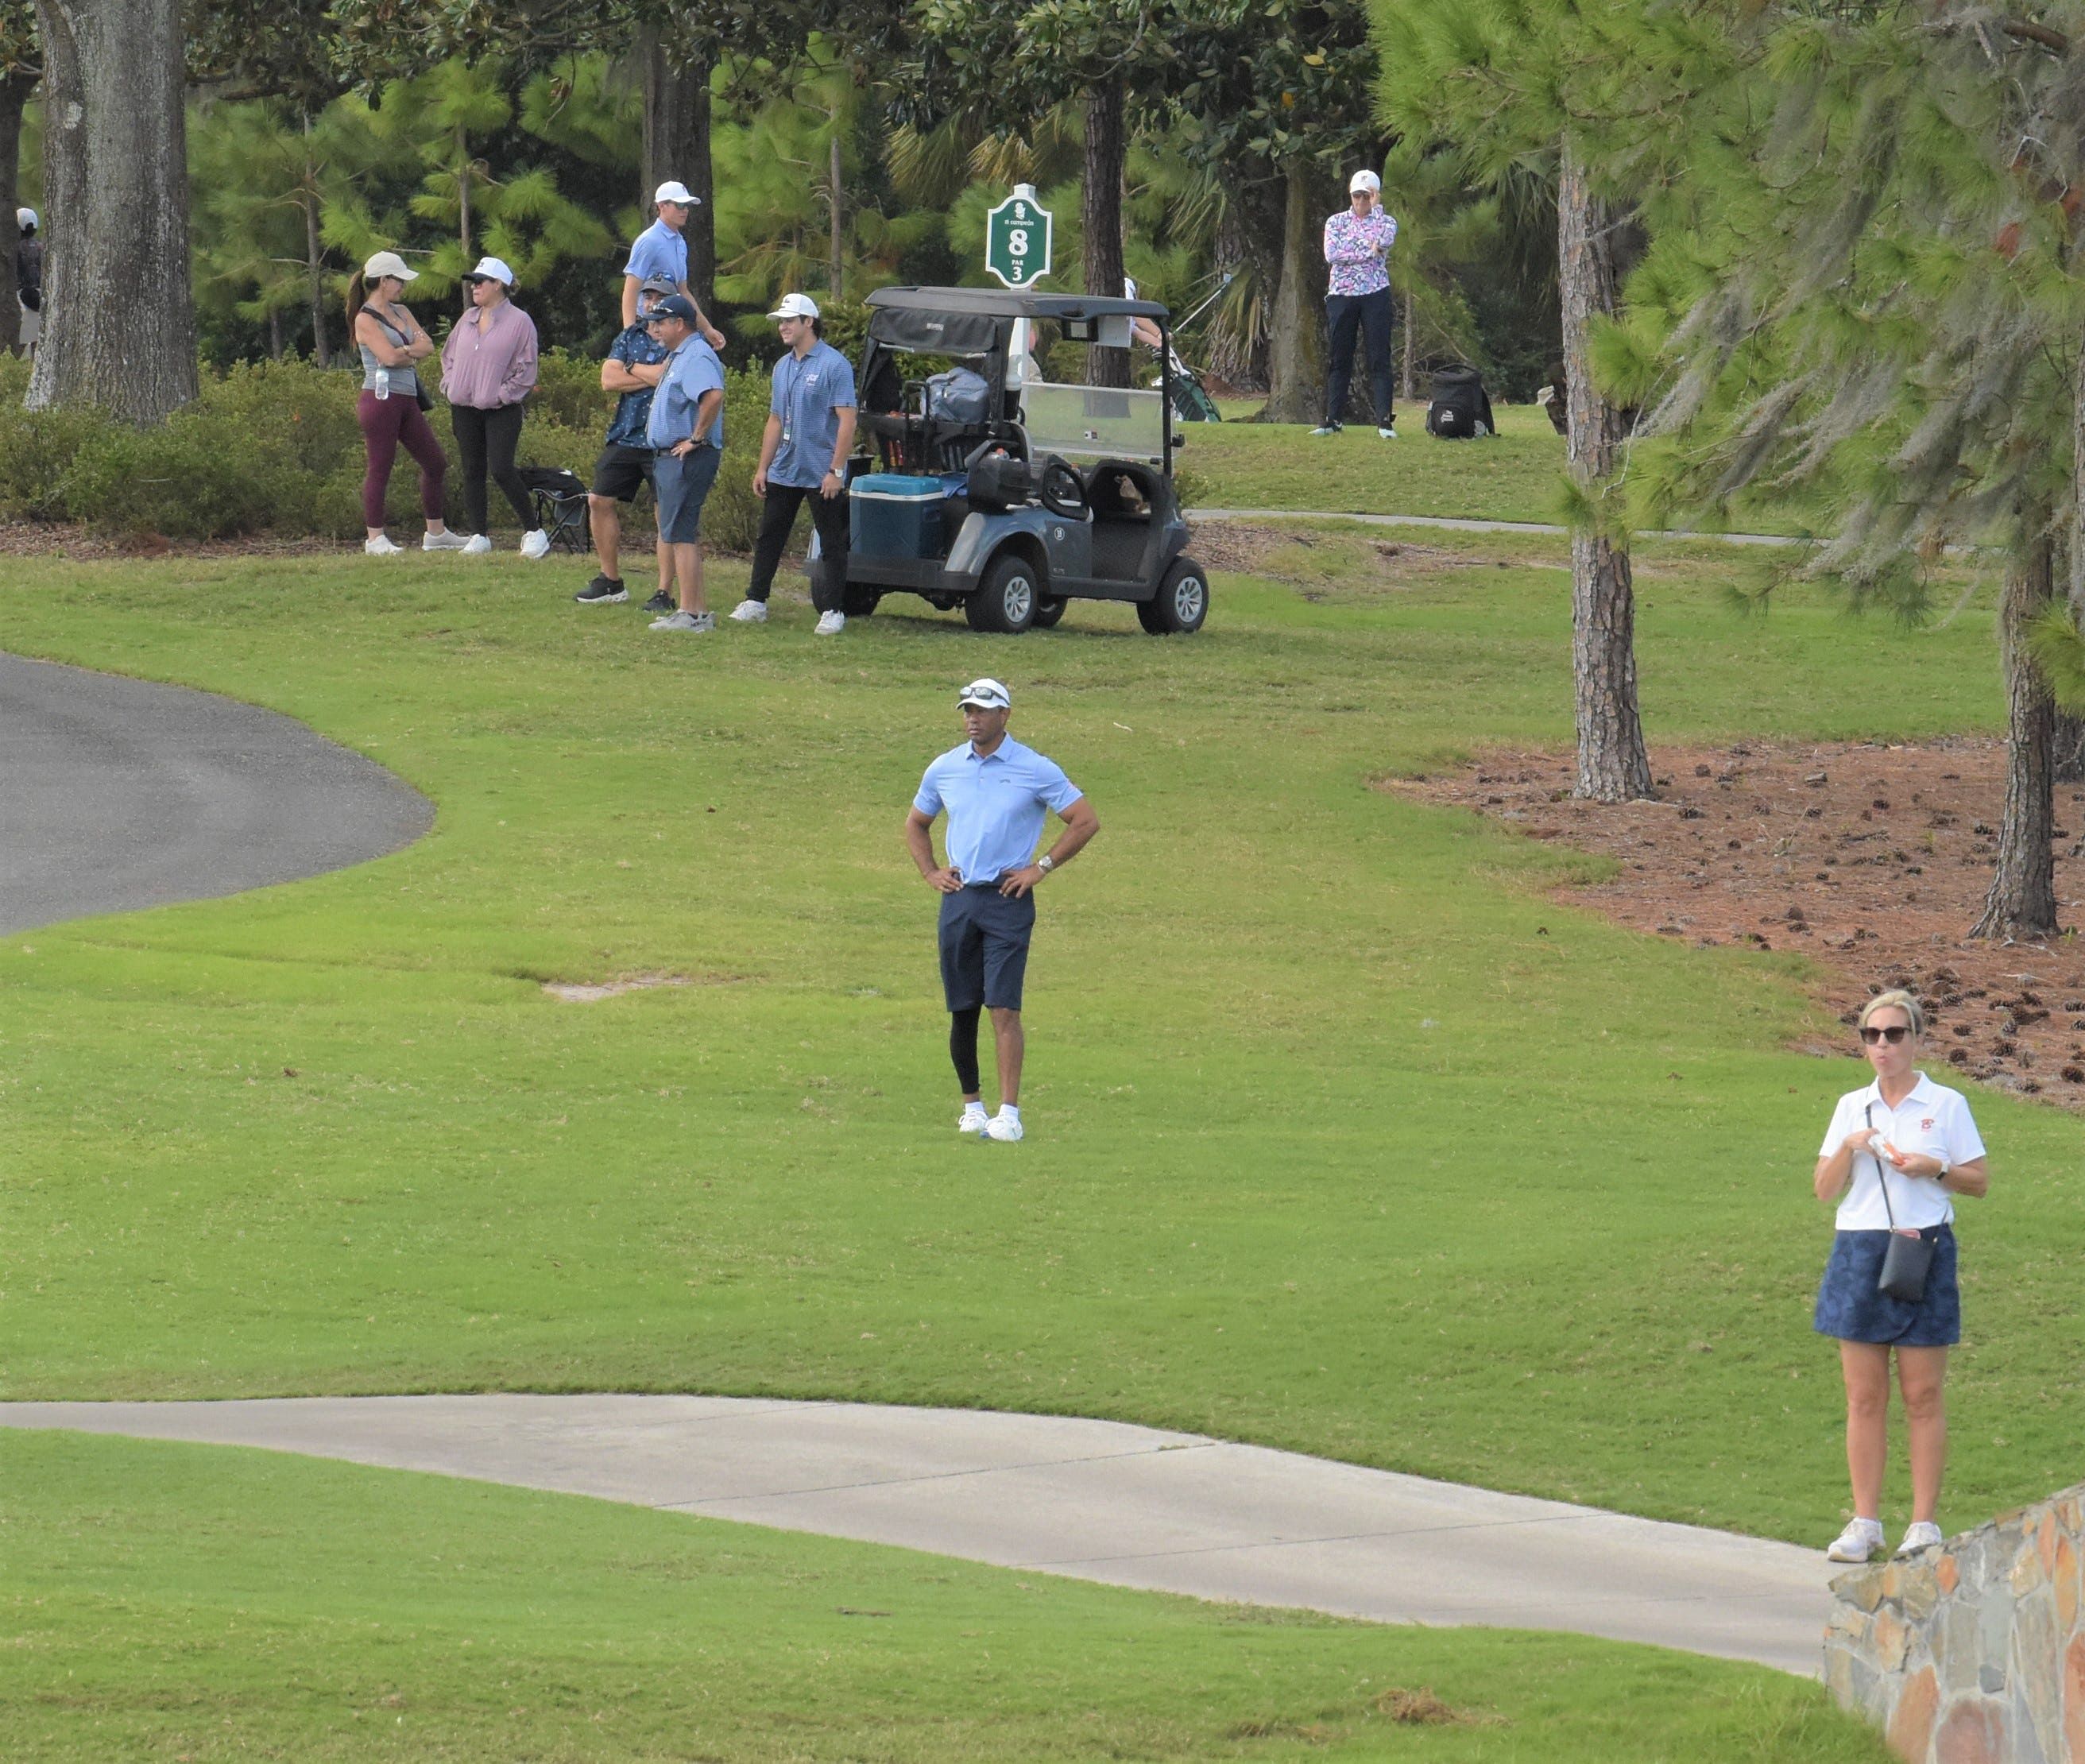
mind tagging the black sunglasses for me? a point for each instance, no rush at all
(1893, 1033)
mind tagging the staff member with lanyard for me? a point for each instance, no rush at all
(995, 791)
(804, 453)
(685, 429)
(1896, 1153)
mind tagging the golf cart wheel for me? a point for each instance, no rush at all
(858, 600)
(1006, 600)
(1181, 604)
(1048, 610)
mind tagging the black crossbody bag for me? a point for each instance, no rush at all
(1909, 1257)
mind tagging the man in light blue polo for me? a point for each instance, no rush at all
(804, 455)
(661, 251)
(685, 431)
(997, 793)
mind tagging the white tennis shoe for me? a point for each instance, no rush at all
(1862, 1539)
(1003, 1127)
(973, 1119)
(1925, 1535)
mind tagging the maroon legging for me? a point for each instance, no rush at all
(385, 423)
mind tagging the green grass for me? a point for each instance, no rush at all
(206, 1604)
(1343, 1137)
(1512, 476)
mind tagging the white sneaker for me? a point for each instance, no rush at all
(974, 1121)
(536, 544)
(444, 541)
(751, 612)
(1388, 434)
(685, 621)
(381, 546)
(831, 624)
(1861, 1539)
(1925, 1535)
(1003, 1127)
(476, 546)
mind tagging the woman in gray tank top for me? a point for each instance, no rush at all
(392, 344)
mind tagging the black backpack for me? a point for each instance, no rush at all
(1461, 409)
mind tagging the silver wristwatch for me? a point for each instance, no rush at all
(1045, 863)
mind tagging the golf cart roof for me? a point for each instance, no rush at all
(966, 320)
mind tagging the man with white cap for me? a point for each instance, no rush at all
(660, 250)
(997, 793)
(804, 453)
(1357, 304)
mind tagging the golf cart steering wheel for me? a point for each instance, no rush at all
(1060, 489)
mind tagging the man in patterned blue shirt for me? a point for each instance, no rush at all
(635, 361)
(997, 794)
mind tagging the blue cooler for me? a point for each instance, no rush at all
(895, 517)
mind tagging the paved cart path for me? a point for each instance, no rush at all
(1094, 1499)
(1454, 524)
(118, 794)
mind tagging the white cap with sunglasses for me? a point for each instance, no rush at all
(986, 694)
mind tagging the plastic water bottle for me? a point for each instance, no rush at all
(382, 387)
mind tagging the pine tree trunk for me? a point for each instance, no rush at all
(1295, 345)
(463, 195)
(116, 180)
(275, 333)
(15, 90)
(2067, 742)
(1107, 151)
(1410, 378)
(315, 270)
(677, 145)
(1612, 764)
(2022, 901)
(833, 209)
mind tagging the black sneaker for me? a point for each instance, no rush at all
(662, 602)
(602, 591)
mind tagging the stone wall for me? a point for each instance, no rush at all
(1973, 1653)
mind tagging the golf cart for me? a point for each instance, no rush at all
(1001, 493)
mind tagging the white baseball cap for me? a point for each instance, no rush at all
(26, 217)
(1363, 181)
(795, 306)
(987, 694)
(388, 263)
(490, 270)
(674, 190)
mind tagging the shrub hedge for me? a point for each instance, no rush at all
(273, 447)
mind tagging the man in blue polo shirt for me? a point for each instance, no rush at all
(636, 362)
(804, 453)
(997, 793)
(685, 429)
(660, 250)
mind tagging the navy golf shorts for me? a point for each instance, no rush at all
(984, 946)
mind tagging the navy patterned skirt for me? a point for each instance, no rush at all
(1849, 1308)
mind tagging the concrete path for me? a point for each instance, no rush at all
(118, 794)
(1451, 524)
(1097, 1500)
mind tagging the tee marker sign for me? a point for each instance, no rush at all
(1017, 239)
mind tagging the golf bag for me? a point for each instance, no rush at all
(1461, 409)
(560, 500)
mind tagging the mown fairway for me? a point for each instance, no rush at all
(1343, 1136)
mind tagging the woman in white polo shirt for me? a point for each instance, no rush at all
(1896, 1153)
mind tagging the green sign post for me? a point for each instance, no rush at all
(1017, 239)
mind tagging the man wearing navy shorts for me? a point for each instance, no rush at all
(997, 793)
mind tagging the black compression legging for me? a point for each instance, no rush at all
(963, 1046)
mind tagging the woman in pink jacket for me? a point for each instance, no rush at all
(488, 369)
